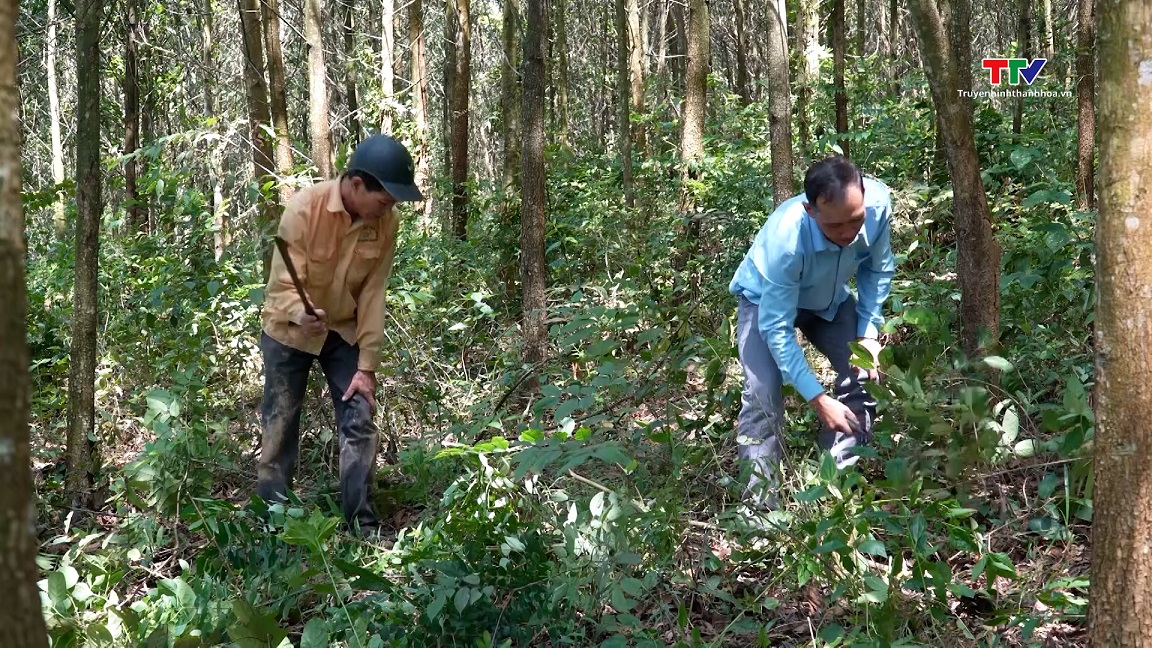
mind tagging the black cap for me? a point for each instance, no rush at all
(390, 163)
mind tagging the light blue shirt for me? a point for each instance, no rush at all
(791, 265)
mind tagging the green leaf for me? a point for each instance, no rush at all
(514, 543)
(185, 597)
(873, 548)
(827, 467)
(812, 494)
(996, 362)
(97, 633)
(532, 435)
(58, 589)
(1026, 448)
(1011, 424)
(632, 587)
(620, 602)
(461, 599)
(315, 634)
(436, 606)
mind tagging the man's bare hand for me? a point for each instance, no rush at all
(835, 415)
(314, 326)
(874, 347)
(363, 383)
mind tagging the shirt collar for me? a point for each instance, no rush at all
(335, 202)
(820, 243)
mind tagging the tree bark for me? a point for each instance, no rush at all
(1047, 35)
(861, 42)
(779, 101)
(461, 90)
(82, 453)
(387, 62)
(838, 52)
(1085, 104)
(894, 57)
(419, 96)
(278, 95)
(256, 96)
(510, 109)
(59, 218)
(220, 225)
(635, 44)
(1024, 38)
(350, 72)
(742, 82)
(205, 22)
(563, 116)
(960, 34)
(808, 62)
(533, 266)
(21, 619)
(695, 108)
(1120, 609)
(318, 122)
(624, 128)
(978, 252)
(131, 113)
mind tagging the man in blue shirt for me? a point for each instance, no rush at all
(796, 275)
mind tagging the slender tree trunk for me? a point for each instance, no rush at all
(350, 72)
(510, 109)
(206, 24)
(387, 63)
(450, 29)
(256, 94)
(82, 453)
(894, 58)
(533, 266)
(978, 252)
(318, 123)
(131, 113)
(742, 82)
(838, 51)
(662, 54)
(807, 63)
(461, 90)
(780, 102)
(680, 55)
(216, 149)
(1024, 38)
(419, 96)
(278, 95)
(1085, 104)
(1120, 609)
(861, 42)
(59, 219)
(21, 619)
(695, 108)
(1047, 35)
(960, 34)
(624, 130)
(635, 44)
(562, 83)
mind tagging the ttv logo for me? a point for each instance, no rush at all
(1017, 69)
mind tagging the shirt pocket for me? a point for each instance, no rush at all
(322, 261)
(364, 260)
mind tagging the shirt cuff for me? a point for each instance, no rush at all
(809, 387)
(866, 329)
(369, 361)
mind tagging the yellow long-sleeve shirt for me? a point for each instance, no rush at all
(344, 267)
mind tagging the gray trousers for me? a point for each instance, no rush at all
(761, 419)
(285, 383)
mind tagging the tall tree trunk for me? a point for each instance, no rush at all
(662, 53)
(861, 42)
(635, 45)
(220, 224)
(807, 63)
(978, 252)
(680, 52)
(318, 121)
(1120, 609)
(624, 128)
(510, 109)
(779, 101)
(205, 22)
(450, 29)
(21, 619)
(533, 266)
(960, 35)
(695, 108)
(59, 219)
(894, 45)
(563, 115)
(256, 95)
(1047, 35)
(838, 51)
(1085, 104)
(461, 90)
(82, 453)
(1024, 38)
(419, 96)
(350, 72)
(742, 82)
(387, 62)
(131, 113)
(278, 95)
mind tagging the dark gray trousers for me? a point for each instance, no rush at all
(285, 383)
(761, 416)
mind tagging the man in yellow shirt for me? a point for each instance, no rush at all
(341, 237)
